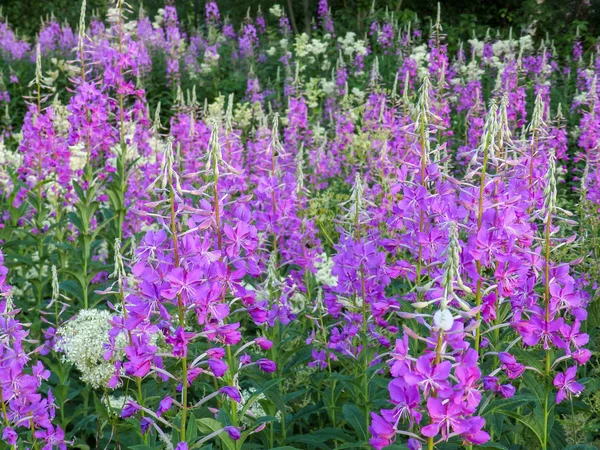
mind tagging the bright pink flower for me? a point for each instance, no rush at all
(445, 416)
(179, 340)
(383, 432)
(429, 377)
(566, 384)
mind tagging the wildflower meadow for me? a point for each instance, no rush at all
(241, 236)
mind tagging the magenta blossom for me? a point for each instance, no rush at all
(566, 384)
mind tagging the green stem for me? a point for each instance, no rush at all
(547, 245)
(365, 352)
(479, 223)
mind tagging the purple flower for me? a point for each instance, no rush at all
(384, 433)
(217, 367)
(140, 359)
(232, 392)
(406, 399)
(475, 433)
(444, 416)
(183, 283)
(266, 365)
(145, 424)
(164, 405)
(264, 343)
(226, 334)
(491, 383)
(510, 365)
(179, 341)
(9, 435)
(130, 409)
(233, 432)
(319, 359)
(566, 384)
(507, 390)
(414, 444)
(430, 378)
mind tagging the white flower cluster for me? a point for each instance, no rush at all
(217, 108)
(61, 117)
(103, 252)
(83, 339)
(324, 275)
(358, 94)
(159, 19)
(351, 45)
(468, 72)
(78, 156)
(309, 48)
(313, 92)
(130, 128)
(319, 134)
(328, 86)
(297, 302)
(276, 10)
(32, 273)
(582, 98)
(421, 56)
(211, 60)
(503, 47)
(526, 43)
(8, 159)
(242, 115)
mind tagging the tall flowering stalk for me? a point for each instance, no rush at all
(27, 415)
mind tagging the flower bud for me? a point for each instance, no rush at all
(443, 319)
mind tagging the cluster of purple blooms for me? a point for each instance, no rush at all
(22, 381)
(443, 270)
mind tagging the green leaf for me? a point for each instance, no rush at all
(492, 445)
(208, 425)
(529, 421)
(356, 419)
(307, 411)
(191, 431)
(355, 445)
(507, 403)
(101, 410)
(310, 440)
(293, 395)
(79, 191)
(258, 393)
(74, 218)
(319, 438)
(333, 433)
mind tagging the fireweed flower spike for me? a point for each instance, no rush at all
(27, 415)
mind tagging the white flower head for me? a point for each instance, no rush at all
(443, 319)
(276, 10)
(83, 340)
